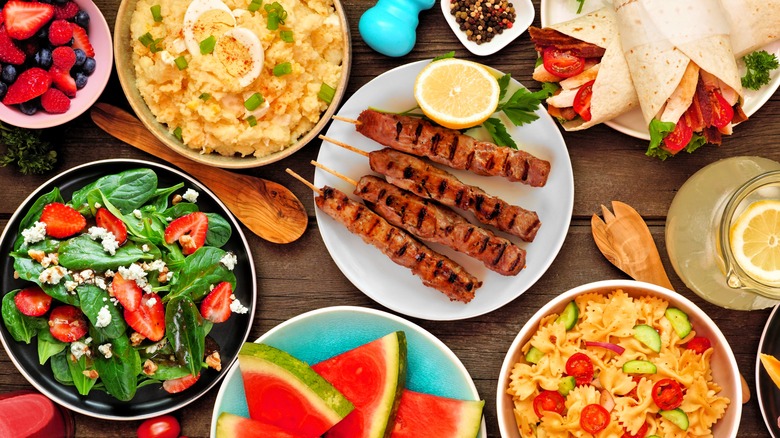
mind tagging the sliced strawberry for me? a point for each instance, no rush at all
(81, 40)
(62, 220)
(67, 323)
(105, 219)
(174, 386)
(9, 52)
(63, 81)
(127, 292)
(66, 11)
(32, 301)
(25, 19)
(55, 101)
(30, 84)
(149, 318)
(190, 230)
(216, 306)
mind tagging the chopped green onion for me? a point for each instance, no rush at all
(273, 22)
(207, 45)
(204, 97)
(282, 69)
(276, 15)
(252, 120)
(253, 102)
(177, 132)
(255, 5)
(286, 36)
(156, 13)
(181, 62)
(148, 40)
(326, 92)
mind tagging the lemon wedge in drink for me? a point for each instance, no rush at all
(456, 94)
(755, 241)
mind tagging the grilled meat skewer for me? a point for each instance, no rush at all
(434, 269)
(435, 223)
(449, 147)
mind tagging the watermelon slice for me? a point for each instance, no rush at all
(429, 416)
(231, 426)
(285, 392)
(372, 377)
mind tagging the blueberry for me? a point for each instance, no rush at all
(3, 89)
(9, 74)
(43, 34)
(80, 57)
(43, 58)
(89, 66)
(81, 80)
(30, 107)
(82, 19)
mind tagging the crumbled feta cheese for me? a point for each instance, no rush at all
(137, 213)
(78, 349)
(145, 248)
(190, 195)
(156, 346)
(70, 286)
(50, 259)
(151, 302)
(236, 306)
(109, 273)
(168, 275)
(101, 283)
(52, 275)
(88, 341)
(35, 233)
(106, 237)
(105, 349)
(105, 299)
(229, 260)
(137, 273)
(103, 317)
(157, 265)
(169, 219)
(98, 205)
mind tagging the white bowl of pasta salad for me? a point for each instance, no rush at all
(619, 358)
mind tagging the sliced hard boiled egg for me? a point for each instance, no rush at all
(204, 18)
(241, 53)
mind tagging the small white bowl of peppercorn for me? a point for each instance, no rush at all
(486, 26)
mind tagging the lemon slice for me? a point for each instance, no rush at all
(755, 241)
(456, 94)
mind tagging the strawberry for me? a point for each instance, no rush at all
(190, 230)
(25, 19)
(60, 32)
(9, 52)
(216, 306)
(66, 11)
(32, 301)
(67, 323)
(81, 40)
(30, 84)
(55, 101)
(174, 386)
(148, 320)
(64, 81)
(61, 220)
(105, 219)
(127, 292)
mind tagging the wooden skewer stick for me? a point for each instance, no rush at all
(301, 179)
(334, 172)
(346, 119)
(344, 145)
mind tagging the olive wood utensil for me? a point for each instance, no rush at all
(625, 240)
(268, 209)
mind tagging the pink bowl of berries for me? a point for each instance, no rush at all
(56, 58)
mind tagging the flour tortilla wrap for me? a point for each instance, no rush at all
(754, 24)
(613, 92)
(661, 38)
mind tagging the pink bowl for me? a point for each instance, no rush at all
(100, 37)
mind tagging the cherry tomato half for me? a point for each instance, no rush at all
(549, 401)
(699, 344)
(641, 433)
(582, 101)
(594, 418)
(667, 394)
(722, 113)
(580, 367)
(164, 426)
(562, 63)
(676, 140)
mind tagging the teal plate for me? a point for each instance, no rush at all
(317, 335)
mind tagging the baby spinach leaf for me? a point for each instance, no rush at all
(84, 253)
(30, 270)
(201, 269)
(184, 330)
(77, 367)
(22, 328)
(93, 299)
(60, 369)
(48, 346)
(169, 371)
(126, 190)
(119, 372)
(219, 230)
(34, 213)
(180, 210)
(160, 198)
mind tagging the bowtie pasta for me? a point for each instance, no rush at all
(625, 365)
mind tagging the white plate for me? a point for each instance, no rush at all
(320, 334)
(632, 123)
(394, 286)
(524, 16)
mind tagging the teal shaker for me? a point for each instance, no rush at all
(390, 26)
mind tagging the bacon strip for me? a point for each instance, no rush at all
(434, 269)
(546, 37)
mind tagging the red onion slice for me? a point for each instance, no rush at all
(608, 345)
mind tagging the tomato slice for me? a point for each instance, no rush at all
(551, 401)
(676, 140)
(699, 344)
(723, 113)
(580, 367)
(562, 63)
(594, 418)
(667, 394)
(641, 433)
(582, 101)
(166, 426)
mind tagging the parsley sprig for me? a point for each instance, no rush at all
(582, 3)
(27, 150)
(758, 64)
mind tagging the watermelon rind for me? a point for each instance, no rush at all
(232, 426)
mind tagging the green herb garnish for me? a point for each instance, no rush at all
(444, 56)
(204, 97)
(254, 102)
(286, 36)
(582, 3)
(276, 15)
(177, 133)
(207, 45)
(27, 150)
(181, 62)
(326, 93)
(154, 45)
(156, 13)
(255, 5)
(282, 69)
(659, 130)
(251, 120)
(758, 64)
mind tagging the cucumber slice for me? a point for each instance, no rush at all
(648, 336)
(567, 384)
(569, 316)
(677, 417)
(639, 367)
(652, 436)
(534, 355)
(679, 321)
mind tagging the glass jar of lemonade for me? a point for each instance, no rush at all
(713, 203)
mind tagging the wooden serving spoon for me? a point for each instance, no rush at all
(268, 209)
(625, 240)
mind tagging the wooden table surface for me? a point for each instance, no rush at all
(301, 276)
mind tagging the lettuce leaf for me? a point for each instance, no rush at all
(659, 130)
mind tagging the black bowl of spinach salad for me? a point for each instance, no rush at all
(143, 193)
